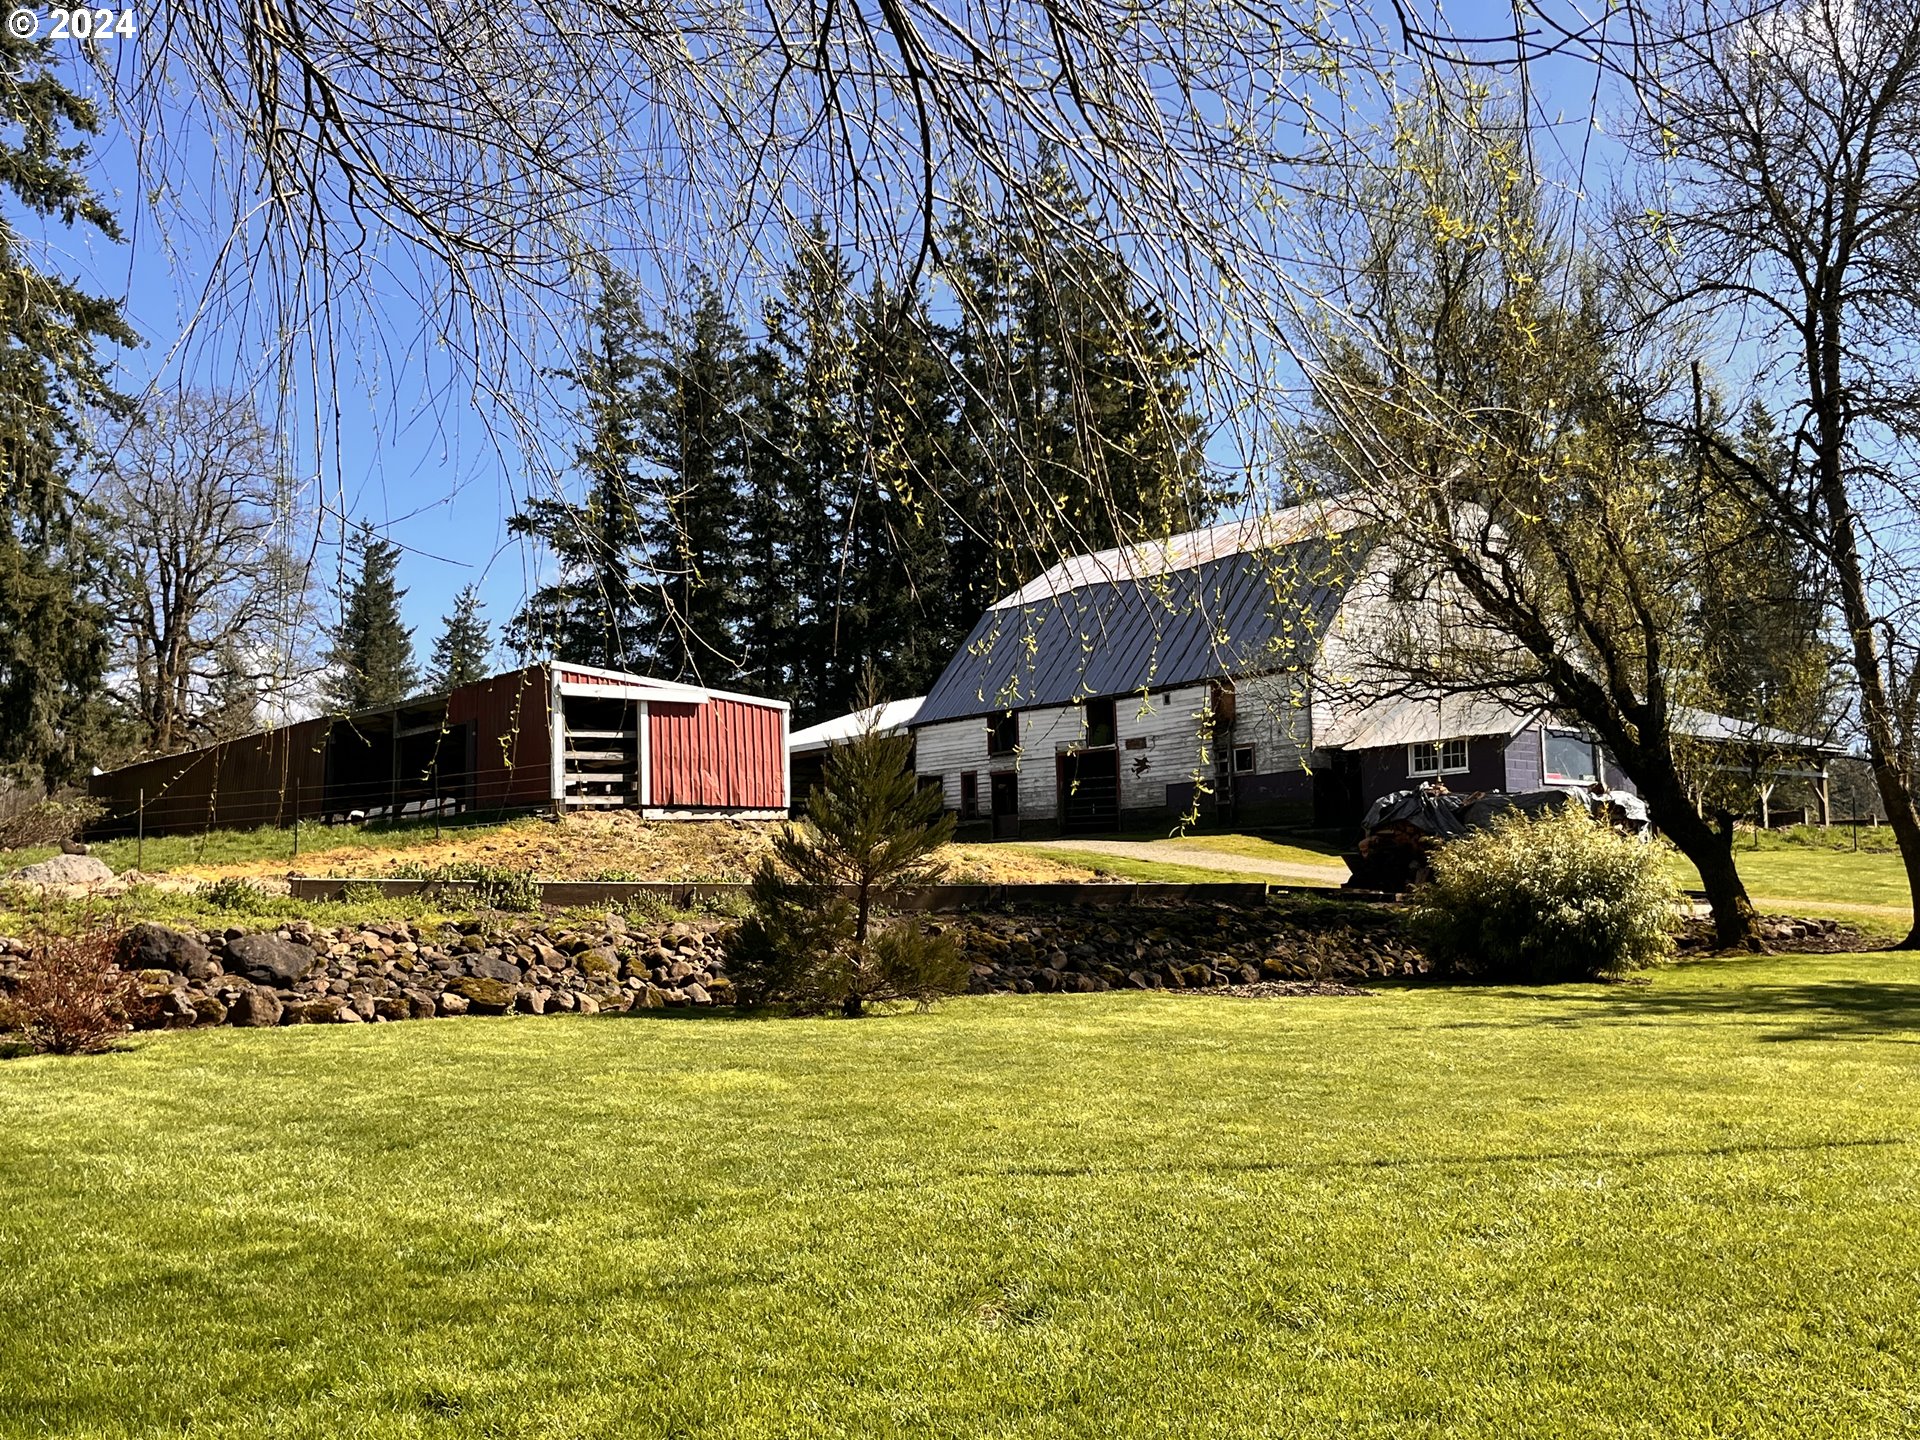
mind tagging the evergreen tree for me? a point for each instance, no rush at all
(897, 621)
(1766, 655)
(693, 432)
(53, 647)
(768, 596)
(869, 827)
(370, 662)
(1077, 396)
(461, 653)
(593, 613)
(811, 331)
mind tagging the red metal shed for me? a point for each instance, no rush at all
(666, 748)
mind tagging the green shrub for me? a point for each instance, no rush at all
(1548, 898)
(238, 895)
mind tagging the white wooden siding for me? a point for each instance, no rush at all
(1271, 714)
(1173, 725)
(950, 747)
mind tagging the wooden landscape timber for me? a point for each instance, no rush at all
(562, 894)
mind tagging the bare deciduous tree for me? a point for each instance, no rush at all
(1781, 141)
(190, 493)
(489, 156)
(1485, 415)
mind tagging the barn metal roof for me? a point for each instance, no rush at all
(1150, 625)
(888, 719)
(1405, 720)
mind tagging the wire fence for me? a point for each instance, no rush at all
(173, 810)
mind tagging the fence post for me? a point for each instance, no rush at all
(140, 833)
(296, 819)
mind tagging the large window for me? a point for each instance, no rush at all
(1570, 757)
(1436, 757)
(1003, 733)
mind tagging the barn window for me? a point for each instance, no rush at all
(969, 794)
(1100, 723)
(1243, 760)
(1003, 733)
(1570, 757)
(1436, 757)
(1222, 701)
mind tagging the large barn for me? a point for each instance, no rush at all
(1198, 678)
(548, 736)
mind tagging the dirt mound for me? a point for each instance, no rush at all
(617, 846)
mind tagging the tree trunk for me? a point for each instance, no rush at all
(1876, 701)
(1710, 848)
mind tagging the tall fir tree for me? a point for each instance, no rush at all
(53, 646)
(812, 331)
(694, 436)
(594, 613)
(1766, 656)
(1077, 396)
(898, 625)
(768, 596)
(370, 662)
(464, 647)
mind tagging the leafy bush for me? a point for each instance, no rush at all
(232, 892)
(74, 999)
(1547, 898)
(813, 939)
(48, 822)
(492, 887)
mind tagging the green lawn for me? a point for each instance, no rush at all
(1677, 1210)
(1296, 851)
(1807, 873)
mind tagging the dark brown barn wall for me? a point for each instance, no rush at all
(255, 780)
(511, 738)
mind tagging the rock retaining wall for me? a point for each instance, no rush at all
(302, 974)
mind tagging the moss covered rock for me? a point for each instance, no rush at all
(483, 996)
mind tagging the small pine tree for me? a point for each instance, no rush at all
(460, 654)
(811, 945)
(370, 662)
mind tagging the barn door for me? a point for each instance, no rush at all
(1006, 806)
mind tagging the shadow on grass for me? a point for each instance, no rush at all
(1651, 1155)
(1818, 1010)
(707, 1014)
(716, 1014)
